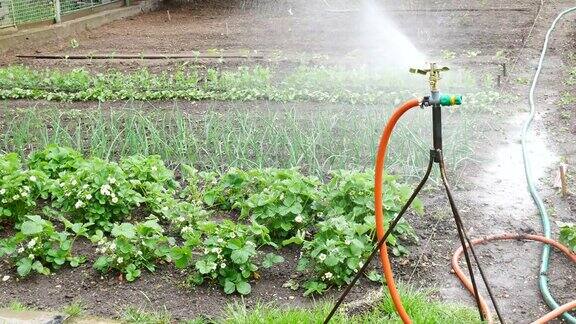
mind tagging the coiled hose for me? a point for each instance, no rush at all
(545, 220)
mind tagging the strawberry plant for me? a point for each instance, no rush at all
(285, 205)
(228, 254)
(39, 247)
(568, 235)
(97, 193)
(151, 179)
(54, 159)
(132, 247)
(351, 194)
(336, 252)
(281, 199)
(19, 189)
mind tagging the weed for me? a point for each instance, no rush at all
(568, 235)
(75, 309)
(17, 306)
(134, 315)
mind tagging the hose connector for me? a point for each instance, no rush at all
(441, 99)
(450, 100)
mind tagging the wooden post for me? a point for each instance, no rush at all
(57, 12)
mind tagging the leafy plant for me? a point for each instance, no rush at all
(97, 193)
(19, 189)
(285, 204)
(351, 194)
(336, 252)
(54, 160)
(568, 235)
(133, 247)
(229, 252)
(151, 179)
(39, 247)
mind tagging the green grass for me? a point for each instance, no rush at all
(136, 315)
(418, 305)
(75, 309)
(18, 306)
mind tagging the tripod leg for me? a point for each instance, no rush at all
(381, 241)
(465, 242)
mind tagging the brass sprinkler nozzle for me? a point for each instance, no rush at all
(433, 75)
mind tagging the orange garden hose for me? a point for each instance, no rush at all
(466, 282)
(380, 230)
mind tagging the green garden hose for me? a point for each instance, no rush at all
(543, 277)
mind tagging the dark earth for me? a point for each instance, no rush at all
(491, 195)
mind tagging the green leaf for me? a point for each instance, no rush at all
(243, 288)
(229, 287)
(31, 228)
(24, 267)
(271, 259)
(125, 229)
(205, 267)
(101, 264)
(240, 256)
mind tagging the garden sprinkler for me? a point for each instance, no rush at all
(436, 100)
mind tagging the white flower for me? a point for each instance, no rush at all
(322, 257)
(2, 191)
(114, 200)
(88, 196)
(113, 246)
(30, 256)
(73, 182)
(105, 190)
(21, 249)
(16, 197)
(181, 219)
(119, 260)
(299, 219)
(216, 250)
(24, 193)
(220, 240)
(139, 253)
(154, 168)
(79, 204)
(222, 265)
(33, 178)
(347, 242)
(5, 278)
(328, 275)
(32, 243)
(85, 186)
(112, 180)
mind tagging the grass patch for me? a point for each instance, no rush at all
(18, 306)
(74, 310)
(136, 315)
(418, 304)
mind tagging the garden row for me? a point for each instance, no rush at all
(322, 84)
(139, 216)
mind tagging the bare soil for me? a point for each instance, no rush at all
(492, 195)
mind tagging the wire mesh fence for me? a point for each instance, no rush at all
(20, 12)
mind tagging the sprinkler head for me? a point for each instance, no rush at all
(433, 75)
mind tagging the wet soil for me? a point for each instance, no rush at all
(492, 194)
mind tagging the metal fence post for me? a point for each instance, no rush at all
(57, 12)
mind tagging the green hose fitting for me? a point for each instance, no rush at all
(450, 100)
